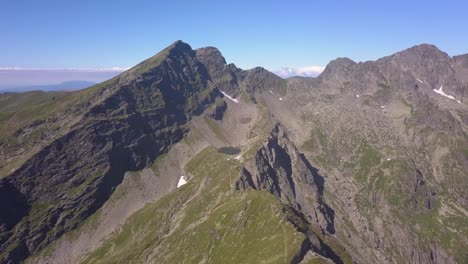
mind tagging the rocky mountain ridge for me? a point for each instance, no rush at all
(279, 168)
(141, 117)
(387, 140)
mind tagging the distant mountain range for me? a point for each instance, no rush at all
(64, 86)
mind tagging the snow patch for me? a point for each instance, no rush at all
(271, 92)
(419, 80)
(238, 157)
(281, 98)
(357, 95)
(230, 98)
(389, 159)
(441, 92)
(383, 106)
(182, 181)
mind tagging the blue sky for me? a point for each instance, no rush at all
(272, 34)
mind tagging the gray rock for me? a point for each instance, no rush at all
(279, 168)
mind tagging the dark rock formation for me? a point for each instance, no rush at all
(232, 80)
(141, 116)
(279, 168)
(216, 110)
(13, 206)
(223, 77)
(422, 196)
(338, 69)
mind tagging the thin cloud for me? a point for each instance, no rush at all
(111, 69)
(11, 77)
(309, 71)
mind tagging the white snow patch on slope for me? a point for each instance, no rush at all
(419, 80)
(230, 98)
(281, 98)
(441, 92)
(238, 157)
(357, 95)
(271, 91)
(383, 106)
(181, 182)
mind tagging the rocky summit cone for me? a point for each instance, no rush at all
(187, 159)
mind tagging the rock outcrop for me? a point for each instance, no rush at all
(280, 169)
(216, 110)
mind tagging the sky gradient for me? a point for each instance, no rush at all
(294, 36)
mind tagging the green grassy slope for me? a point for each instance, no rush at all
(205, 221)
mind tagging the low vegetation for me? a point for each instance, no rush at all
(229, 226)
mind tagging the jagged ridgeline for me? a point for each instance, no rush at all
(187, 159)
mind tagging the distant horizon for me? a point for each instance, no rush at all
(298, 37)
(11, 79)
(71, 85)
(14, 77)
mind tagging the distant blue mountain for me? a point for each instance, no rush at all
(65, 86)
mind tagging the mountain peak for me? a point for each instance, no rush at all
(340, 62)
(425, 51)
(337, 67)
(211, 56)
(424, 47)
(179, 45)
(176, 49)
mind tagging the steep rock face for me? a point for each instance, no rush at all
(423, 66)
(223, 77)
(339, 69)
(461, 68)
(279, 168)
(422, 195)
(259, 79)
(216, 110)
(13, 206)
(395, 194)
(414, 73)
(232, 80)
(68, 180)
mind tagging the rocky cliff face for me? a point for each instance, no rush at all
(69, 179)
(461, 68)
(232, 80)
(280, 169)
(389, 143)
(224, 77)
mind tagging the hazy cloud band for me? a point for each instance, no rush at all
(309, 71)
